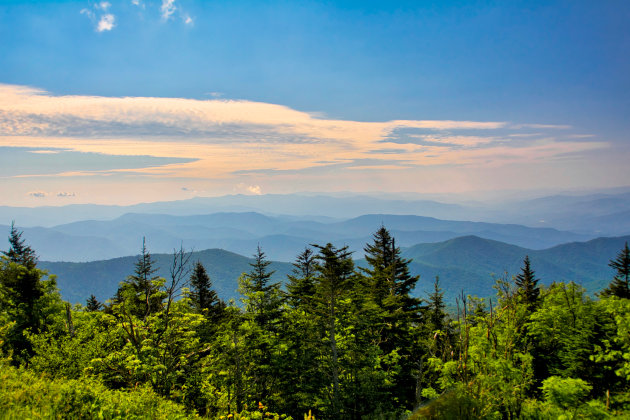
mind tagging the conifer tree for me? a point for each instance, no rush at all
(527, 284)
(335, 270)
(620, 285)
(139, 289)
(93, 304)
(301, 284)
(18, 251)
(203, 298)
(262, 297)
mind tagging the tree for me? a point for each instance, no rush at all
(262, 298)
(203, 298)
(301, 284)
(527, 284)
(19, 252)
(620, 285)
(140, 290)
(93, 304)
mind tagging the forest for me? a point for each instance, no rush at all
(336, 341)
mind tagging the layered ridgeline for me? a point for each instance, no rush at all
(469, 264)
(280, 236)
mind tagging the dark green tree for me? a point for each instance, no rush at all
(203, 297)
(620, 285)
(19, 252)
(301, 285)
(527, 284)
(140, 291)
(93, 304)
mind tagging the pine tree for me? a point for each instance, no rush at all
(139, 289)
(93, 304)
(19, 252)
(335, 270)
(301, 284)
(527, 284)
(262, 297)
(203, 298)
(620, 285)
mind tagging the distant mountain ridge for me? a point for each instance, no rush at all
(468, 263)
(282, 237)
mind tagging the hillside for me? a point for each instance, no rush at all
(467, 263)
(78, 280)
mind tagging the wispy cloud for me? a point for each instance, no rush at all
(222, 139)
(37, 194)
(167, 9)
(99, 15)
(65, 194)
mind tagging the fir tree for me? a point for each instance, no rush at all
(139, 289)
(203, 298)
(262, 297)
(301, 284)
(19, 252)
(620, 285)
(93, 304)
(527, 284)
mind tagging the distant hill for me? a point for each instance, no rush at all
(78, 280)
(467, 263)
(470, 263)
(281, 237)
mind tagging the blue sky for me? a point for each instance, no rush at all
(347, 83)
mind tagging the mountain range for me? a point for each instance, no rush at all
(281, 237)
(468, 263)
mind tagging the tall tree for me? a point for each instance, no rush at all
(620, 285)
(203, 298)
(301, 285)
(140, 290)
(93, 304)
(527, 284)
(335, 270)
(388, 284)
(18, 251)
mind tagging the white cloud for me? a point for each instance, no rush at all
(106, 23)
(254, 189)
(88, 13)
(137, 3)
(168, 8)
(104, 5)
(188, 20)
(65, 194)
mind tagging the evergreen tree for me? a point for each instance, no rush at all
(301, 284)
(140, 290)
(203, 298)
(93, 304)
(620, 285)
(19, 252)
(388, 284)
(527, 284)
(335, 270)
(263, 298)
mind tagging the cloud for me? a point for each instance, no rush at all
(65, 194)
(254, 189)
(167, 9)
(37, 194)
(106, 23)
(225, 139)
(103, 21)
(187, 19)
(137, 3)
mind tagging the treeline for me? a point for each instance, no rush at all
(339, 342)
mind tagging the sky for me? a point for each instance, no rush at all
(126, 101)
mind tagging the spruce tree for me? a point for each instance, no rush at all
(263, 298)
(92, 304)
(203, 298)
(18, 251)
(139, 289)
(301, 284)
(527, 284)
(620, 285)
